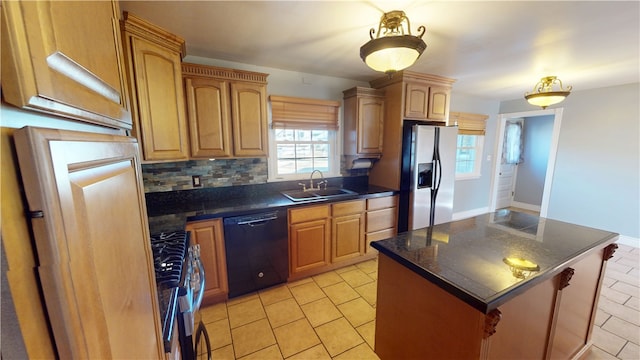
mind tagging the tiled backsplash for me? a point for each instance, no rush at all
(217, 173)
(173, 176)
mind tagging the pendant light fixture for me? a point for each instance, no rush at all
(544, 95)
(392, 50)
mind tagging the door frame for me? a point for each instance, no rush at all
(555, 136)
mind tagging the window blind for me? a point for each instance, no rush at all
(468, 123)
(303, 113)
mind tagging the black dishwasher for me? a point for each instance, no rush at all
(257, 251)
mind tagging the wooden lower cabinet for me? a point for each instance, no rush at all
(347, 230)
(381, 220)
(552, 320)
(209, 235)
(309, 230)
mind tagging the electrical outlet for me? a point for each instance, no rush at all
(196, 181)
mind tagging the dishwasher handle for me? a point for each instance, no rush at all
(256, 222)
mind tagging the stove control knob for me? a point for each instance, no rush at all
(260, 274)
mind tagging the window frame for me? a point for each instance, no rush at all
(333, 158)
(477, 163)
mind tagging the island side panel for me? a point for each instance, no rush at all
(415, 319)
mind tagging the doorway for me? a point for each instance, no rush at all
(497, 189)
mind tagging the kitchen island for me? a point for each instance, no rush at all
(505, 285)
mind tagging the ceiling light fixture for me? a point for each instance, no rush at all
(543, 94)
(395, 50)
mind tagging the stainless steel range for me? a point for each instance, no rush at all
(180, 280)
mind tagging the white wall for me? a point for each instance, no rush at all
(596, 181)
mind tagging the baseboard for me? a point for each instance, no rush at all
(628, 240)
(469, 213)
(525, 206)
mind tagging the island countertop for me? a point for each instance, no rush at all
(467, 257)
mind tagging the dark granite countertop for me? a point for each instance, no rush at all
(169, 211)
(466, 257)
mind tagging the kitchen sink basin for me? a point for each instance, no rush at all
(316, 195)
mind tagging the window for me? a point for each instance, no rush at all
(300, 151)
(471, 129)
(469, 156)
(303, 138)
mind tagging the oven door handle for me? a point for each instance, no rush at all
(197, 300)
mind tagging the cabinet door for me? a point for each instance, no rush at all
(438, 103)
(347, 237)
(208, 234)
(209, 117)
(65, 57)
(309, 242)
(160, 100)
(416, 101)
(370, 125)
(249, 119)
(95, 261)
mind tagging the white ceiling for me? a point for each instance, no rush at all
(495, 49)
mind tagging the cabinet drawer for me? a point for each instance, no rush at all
(308, 214)
(347, 208)
(381, 219)
(382, 202)
(380, 235)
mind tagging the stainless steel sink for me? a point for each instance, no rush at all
(316, 195)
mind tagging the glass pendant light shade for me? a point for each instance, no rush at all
(543, 94)
(395, 50)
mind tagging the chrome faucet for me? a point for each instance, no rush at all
(323, 181)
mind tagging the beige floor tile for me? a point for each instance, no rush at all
(619, 310)
(225, 353)
(601, 317)
(270, 353)
(283, 312)
(357, 311)
(626, 278)
(369, 292)
(360, 352)
(299, 282)
(274, 294)
(633, 303)
(608, 281)
(607, 341)
(307, 293)
(625, 288)
(245, 312)
(320, 312)
(219, 333)
(242, 298)
(614, 295)
(373, 275)
(595, 353)
(356, 278)
(328, 278)
(252, 337)
(630, 351)
(296, 337)
(368, 333)
(345, 269)
(368, 266)
(619, 266)
(340, 292)
(622, 328)
(213, 313)
(317, 352)
(338, 336)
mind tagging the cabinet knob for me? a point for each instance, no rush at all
(260, 274)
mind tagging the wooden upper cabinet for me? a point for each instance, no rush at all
(416, 101)
(249, 119)
(65, 58)
(95, 262)
(363, 122)
(439, 98)
(209, 116)
(227, 111)
(153, 58)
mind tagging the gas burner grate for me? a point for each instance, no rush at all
(169, 250)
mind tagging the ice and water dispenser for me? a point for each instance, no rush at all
(425, 175)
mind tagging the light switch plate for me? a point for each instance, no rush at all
(196, 181)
